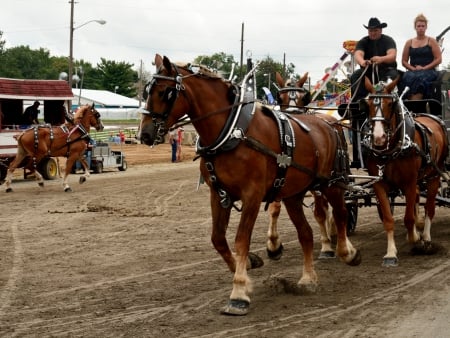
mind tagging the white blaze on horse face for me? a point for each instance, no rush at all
(379, 135)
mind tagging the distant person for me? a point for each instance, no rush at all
(180, 132)
(30, 114)
(173, 141)
(377, 52)
(122, 136)
(421, 55)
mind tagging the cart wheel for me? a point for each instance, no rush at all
(3, 172)
(48, 168)
(352, 217)
(124, 166)
(98, 169)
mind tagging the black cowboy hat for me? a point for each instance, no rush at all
(375, 23)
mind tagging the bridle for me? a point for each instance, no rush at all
(393, 125)
(294, 94)
(169, 95)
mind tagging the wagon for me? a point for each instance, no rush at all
(103, 157)
(15, 95)
(361, 193)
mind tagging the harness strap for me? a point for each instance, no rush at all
(284, 160)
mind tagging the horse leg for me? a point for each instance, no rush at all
(86, 173)
(430, 207)
(425, 246)
(410, 214)
(418, 219)
(390, 258)
(239, 301)
(70, 162)
(321, 214)
(344, 248)
(293, 205)
(274, 245)
(21, 154)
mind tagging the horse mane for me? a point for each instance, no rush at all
(199, 69)
(79, 114)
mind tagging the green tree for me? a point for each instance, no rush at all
(2, 43)
(221, 62)
(118, 77)
(24, 63)
(266, 73)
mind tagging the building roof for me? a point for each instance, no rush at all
(105, 98)
(34, 89)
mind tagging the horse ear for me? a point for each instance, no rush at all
(369, 86)
(302, 80)
(390, 87)
(279, 80)
(167, 64)
(158, 61)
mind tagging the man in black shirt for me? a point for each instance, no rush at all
(30, 114)
(377, 52)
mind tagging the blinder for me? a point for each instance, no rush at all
(168, 96)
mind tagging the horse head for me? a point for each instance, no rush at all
(292, 95)
(384, 114)
(161, 110)
(88, 117)
(176, 91)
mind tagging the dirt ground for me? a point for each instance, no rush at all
(128, 254)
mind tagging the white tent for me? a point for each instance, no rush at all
(110, 105)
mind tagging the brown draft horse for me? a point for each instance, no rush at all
(293, 97)
(69, 140)
(405, 151)
(239, 152)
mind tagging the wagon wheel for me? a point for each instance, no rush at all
(98, 169)
(3, 171)
(352, 217)
(49, 168)
(124, 166)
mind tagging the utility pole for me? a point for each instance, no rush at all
(140, 85)
(242, 51)
(72, 3)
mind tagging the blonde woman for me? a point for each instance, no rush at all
(421, 55)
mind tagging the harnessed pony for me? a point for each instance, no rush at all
(293, 98)
(405, 151)
(68, 140)
(243, 159)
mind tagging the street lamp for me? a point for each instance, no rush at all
(72, 28)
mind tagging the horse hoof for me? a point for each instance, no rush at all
(356, 260)
(9, 190)
(306, 288)
(424, 248)
(275, 255)
(68, 189)
(82, 179)
(41, 184)
(327, 255)
(390, 262)
(255, 261)
(236, 307)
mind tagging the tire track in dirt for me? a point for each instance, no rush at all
(182, 287)
(8, 290)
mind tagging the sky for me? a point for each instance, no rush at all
(308, 34)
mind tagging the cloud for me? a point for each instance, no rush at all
(308, 33)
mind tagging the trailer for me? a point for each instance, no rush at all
(101, 157)
(15, 95)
